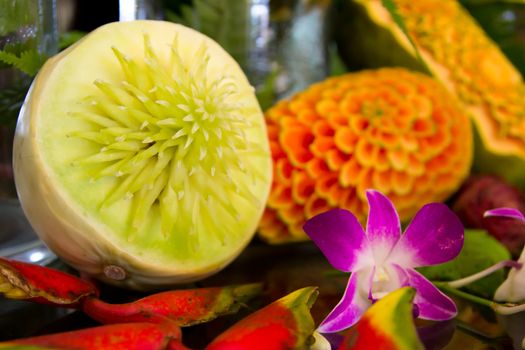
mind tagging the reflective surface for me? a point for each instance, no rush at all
(17, 239)
(282, 269)
(130, 10)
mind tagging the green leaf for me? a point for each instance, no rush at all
(266, 93)
(391, 7)
(11, 100)
(225, 21)
(479, 252)
(29, 61)
(174, 17)
(8, 58)
(16, 56)
(69, 38)
(336, 64)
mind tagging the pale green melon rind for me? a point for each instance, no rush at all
(61, 204)
(369, 38)
(366, 40)
(509, 167)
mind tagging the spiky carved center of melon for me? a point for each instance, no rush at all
(173, 138)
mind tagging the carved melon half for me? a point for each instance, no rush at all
(141, 155)
(457, 52)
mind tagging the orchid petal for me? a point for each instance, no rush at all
(340, 237)
(505, 212)
(431, 302)
(349, 310)
(383, 227)
(434, 236)
(513, 289)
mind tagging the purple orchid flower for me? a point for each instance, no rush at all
(513, 289)
(382, 260)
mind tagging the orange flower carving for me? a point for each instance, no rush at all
(397, 131)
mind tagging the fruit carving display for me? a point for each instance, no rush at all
(390, 129)
(141, 155)
(455, 50)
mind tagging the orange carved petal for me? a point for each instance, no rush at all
(283, 171)
(345, 139)
(321, 145)
(349, 173)
(315, 205)
(316, 168)
(335, 159)
(280, 196)
(402, 183)
(325, 107)
(382, 181)
(302, 187)
(296, 143)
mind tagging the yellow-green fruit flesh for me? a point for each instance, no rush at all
(141, 155)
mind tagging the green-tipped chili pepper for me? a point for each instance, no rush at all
(386, 325)
(19, 280)
(284, 324)
(184, 307)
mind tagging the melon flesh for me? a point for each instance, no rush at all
(142, 150)
(457, 52)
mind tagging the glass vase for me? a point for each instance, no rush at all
(28, 28)
(280, 44)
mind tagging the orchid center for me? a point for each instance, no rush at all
(384, 280)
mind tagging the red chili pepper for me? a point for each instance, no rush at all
(284, 324)
(10, 346)
(184, 307)
(19, 280)
(128, 336)
(176, 345)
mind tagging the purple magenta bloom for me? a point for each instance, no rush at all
(382, 259)
(513, 289)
